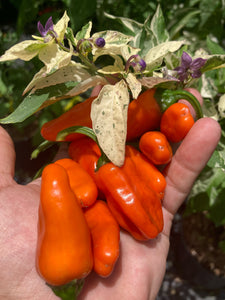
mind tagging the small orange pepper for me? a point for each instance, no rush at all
(105, 232)
(155, 146)
(81, 182)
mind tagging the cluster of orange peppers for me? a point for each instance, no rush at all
(83, 206)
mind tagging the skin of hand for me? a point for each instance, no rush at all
(140, 269)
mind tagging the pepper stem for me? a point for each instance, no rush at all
(165, 98)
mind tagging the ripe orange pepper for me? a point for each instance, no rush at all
(135, 205)
(176, 122)
(81, 182)
(152, 177)
(105, 232)
(77, 115)
(85, 152)
(64, 248)
(155, 146)
(133, 191)
(143, 114)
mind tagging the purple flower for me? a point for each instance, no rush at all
(100, 42)
(136, 62)
(142, 64)
(48, 27)
(189, 67)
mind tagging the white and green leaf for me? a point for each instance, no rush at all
(117, 67)
(71, 72)
(61, 26)
(134, 85)
(109, 120)
(85, 32)
(155, 55)
(25, 50)
(54, 57)
(158, 26)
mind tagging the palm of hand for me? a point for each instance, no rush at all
(141, 266)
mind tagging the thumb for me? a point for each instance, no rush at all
(7, 158)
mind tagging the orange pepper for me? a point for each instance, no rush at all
(176, 122)
(85, 152)
(135, 205)
(77, 115)
(143, 169)
(64, 249)
(105, 234)
(143, 114)
(155, 146)
(133, 191)
(81, 182)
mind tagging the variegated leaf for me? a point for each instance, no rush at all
(109, 120)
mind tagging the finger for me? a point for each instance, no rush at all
(198, 97)
(7, 158)
(189, 160)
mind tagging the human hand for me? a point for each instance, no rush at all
(141, 267)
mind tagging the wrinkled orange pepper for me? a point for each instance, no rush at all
(143, 168)
(64, 249)
(155, 146)
(105, 232)
(85, 152)
(133, 191)
(143, 114)
(82, 184)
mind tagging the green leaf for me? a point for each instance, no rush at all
(208, 195)
(128, 26)
(42, 147)
(213, 62)
(28, 107)
(70, 36)
(217, 159)
(69, 291)
(213, 47)
(76, 129)
(34, 102)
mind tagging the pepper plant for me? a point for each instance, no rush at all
(124, 65)
(73, 64)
